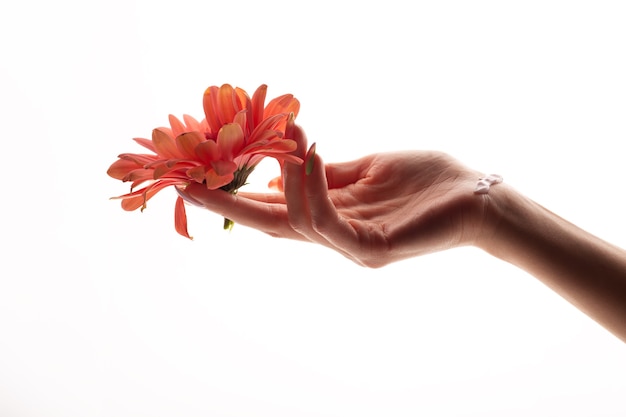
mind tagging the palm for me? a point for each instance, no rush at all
(410, 203)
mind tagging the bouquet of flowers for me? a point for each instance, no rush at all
(220, 151)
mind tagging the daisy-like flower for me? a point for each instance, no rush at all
(220, 151)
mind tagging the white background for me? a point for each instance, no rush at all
(108, 313)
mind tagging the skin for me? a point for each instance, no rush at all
(386, 207)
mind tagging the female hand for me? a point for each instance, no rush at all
(375, 210)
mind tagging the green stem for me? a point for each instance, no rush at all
(241, 176)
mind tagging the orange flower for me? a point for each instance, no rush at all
(220, 151)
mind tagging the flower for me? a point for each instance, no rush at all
(220, 151)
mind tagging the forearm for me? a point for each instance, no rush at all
(585, 270)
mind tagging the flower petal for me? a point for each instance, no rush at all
(209, 102)
(187, 143)
(284, 104)
(178, 127)
(226, 104)
(230, 140)
(215, 181)
(121, 168)
(146, 143)
(192, 123)
(165, 145)
(271, 122)
(260, 137)
(138, 176)
(258, 105)
(197, 173)
(276, 184)
(224, 167)
(207, 152)
(139, 198)
(180, 218)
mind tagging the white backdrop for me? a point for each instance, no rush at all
(109, 313)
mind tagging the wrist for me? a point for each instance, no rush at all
(504, 215)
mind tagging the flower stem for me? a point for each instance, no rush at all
(239, 180)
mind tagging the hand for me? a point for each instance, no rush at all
(375, 210)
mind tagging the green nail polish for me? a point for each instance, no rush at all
(310, 160)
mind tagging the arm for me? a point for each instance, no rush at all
(587, 271)
(387, 207)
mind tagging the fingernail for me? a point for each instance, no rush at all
(185, 196)
(309, 160)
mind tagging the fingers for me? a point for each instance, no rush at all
(300, 137)
(339, 175)
(266, 216)
(310, 211)
(324, 217)
(269, 198)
